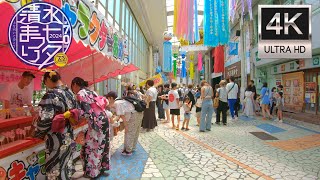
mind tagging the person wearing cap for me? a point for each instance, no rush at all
(19, 94)
(131, 118)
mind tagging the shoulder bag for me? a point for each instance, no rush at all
(216, 100)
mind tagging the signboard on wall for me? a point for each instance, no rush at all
(293, 91)
(233, 70)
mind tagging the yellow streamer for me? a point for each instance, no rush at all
(175, 16)
(191, 70)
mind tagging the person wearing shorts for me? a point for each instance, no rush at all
(174, 105)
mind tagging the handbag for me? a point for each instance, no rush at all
(216, 102)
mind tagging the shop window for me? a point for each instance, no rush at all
(127, 20)
(110, 6)
(102, 9)
(103, 2)
(117, 12)
(311, 91)
(123, 15)
(110, 19)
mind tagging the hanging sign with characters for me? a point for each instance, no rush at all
(39, 31)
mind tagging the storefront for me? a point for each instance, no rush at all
(235, 71)
(301, 81)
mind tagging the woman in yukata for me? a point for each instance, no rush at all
(59, 145)
(97, 143)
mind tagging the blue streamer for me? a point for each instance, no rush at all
(184, 69)
(167, 56)
(196, 27)
(223, 22)
(211, 21)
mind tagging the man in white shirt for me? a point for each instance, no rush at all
(232, 89)
(174, 104)
(19, 94)
(132, 123)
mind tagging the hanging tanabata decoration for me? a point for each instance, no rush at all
(183, 69)
(191, 70)
(233, 8)
(167, 52)
(199, 61)
(196, 27)
(216, 22)
(175, 68)
(223, 22)
(210, 19)
(218, 59)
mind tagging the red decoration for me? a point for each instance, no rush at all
(219, 59)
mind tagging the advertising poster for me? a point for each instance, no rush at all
(311, 86)
(293, 91)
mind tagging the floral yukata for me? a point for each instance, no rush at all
(59, 146)
(96, 148)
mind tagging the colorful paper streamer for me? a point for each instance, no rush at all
(175, 68)
(218, 59)
(167, 56)
(183, 69)
(196, 27)
(191, 70)
(199, 61)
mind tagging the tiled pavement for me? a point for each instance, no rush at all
(225, 152)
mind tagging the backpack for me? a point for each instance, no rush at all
(139, 105)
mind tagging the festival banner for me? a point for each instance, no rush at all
(211, 21)
(167, 56)
(223, 26)
(90, 27)
(157, 79)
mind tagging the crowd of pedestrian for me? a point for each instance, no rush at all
(135, 110)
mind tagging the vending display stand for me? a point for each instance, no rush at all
(22, 156)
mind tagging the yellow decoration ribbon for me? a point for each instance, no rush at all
(68, 115)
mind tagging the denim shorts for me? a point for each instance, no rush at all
(187, 115)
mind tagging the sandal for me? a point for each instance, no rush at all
(177, 128)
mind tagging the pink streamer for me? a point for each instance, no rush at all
(199, 61)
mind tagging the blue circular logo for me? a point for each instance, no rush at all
(37, 32)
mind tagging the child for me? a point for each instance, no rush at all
(198, 105)
(187, 113)
(279, 105)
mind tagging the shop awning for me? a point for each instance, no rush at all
(83, 60)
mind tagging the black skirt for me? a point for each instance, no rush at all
(149, 120)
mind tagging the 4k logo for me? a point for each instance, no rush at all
(284, 31)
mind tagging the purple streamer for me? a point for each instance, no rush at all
(250, 8)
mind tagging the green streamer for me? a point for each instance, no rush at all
(175, 68)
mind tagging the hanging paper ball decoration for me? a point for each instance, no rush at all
(167, 36)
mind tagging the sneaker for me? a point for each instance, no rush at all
(125, 153)
(281, 121)
(236, 118)
(208, 129)
(224, 124)
(183, 128)
(218, 123)
(187, 129)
